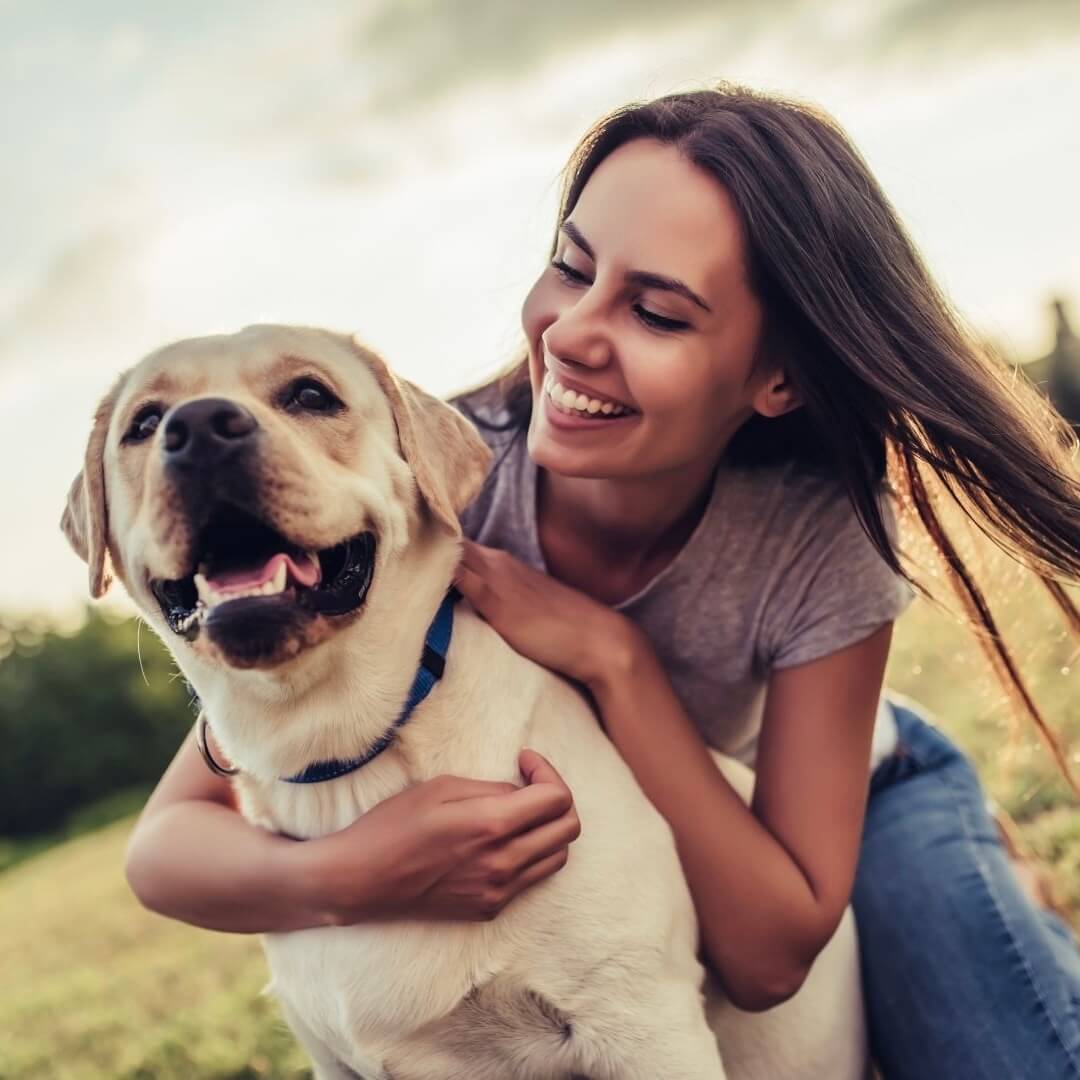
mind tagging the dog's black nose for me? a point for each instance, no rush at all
(206, 431)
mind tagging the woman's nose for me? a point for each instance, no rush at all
(579, 336)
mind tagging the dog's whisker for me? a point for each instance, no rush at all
(138, 648)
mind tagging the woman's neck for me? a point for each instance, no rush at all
(610, 537)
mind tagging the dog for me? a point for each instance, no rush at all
(284, 512)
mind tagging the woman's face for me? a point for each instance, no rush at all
(646, 320)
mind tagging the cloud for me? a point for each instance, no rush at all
(415, 50)
(125, 46)
(90, 286)
(418, 49)
(936, 30)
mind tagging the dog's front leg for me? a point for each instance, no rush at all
(660, 1032)
(326, 1063)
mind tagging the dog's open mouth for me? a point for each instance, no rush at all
(242, 563)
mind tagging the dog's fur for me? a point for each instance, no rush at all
(592, 973)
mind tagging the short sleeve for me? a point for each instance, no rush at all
(479, 408)
(835, 591)
(499, 513)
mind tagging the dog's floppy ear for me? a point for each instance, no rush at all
(84, 521)
(446, 455)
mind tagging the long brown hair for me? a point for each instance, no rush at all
(890, 380)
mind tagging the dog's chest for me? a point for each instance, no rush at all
(311, 811)
(372, 986)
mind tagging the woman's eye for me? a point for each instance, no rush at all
(311, 396)
(568, 273)
(659, 322)
(651, 319)
(144, 424)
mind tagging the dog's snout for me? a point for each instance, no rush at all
(205, 431)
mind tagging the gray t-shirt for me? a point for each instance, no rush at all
(777, 573)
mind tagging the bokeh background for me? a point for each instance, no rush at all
(391, 167)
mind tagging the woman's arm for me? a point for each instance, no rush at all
(450, 848)
(192, 857)
(771, 882)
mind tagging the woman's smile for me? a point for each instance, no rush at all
(572, 397)
(569, 406)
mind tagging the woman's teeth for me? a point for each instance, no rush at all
(571, 401)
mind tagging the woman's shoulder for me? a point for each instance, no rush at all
(496, 514)
(787, 494)
(824, 584)
(797, 516)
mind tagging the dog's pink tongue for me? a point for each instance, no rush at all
(304, 571)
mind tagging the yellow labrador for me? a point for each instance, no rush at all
(284, 512)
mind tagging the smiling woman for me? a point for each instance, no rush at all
(727, 269)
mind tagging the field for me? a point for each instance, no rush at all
(95, 987)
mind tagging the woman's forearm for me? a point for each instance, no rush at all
(202, 863)
(761, 923)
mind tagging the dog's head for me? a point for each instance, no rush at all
(247, 488)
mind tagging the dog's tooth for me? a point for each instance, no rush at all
(280, 578)
(203, 588)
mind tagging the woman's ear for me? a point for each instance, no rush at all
(776, 396)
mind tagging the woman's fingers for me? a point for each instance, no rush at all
(498, 817)
(460, 788)
(468, 553)
(540, 843)
(473, 562)
(536, 769)
(494, 816)
(536, 872)
(473, 587)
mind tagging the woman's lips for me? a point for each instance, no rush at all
(562, 418)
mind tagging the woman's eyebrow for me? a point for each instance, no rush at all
(639, 277)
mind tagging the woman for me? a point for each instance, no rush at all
(733, 338)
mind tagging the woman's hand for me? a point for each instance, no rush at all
(449, 848)
(551, 623)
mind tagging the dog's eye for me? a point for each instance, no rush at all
(144, 424)
(310, 396)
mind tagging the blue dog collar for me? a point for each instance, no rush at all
(432, 665)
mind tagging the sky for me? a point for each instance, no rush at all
(391, 167)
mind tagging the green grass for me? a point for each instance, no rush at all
(92, 986)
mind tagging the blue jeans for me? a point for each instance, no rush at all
(965, 978)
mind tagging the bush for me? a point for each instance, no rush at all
(78, 719)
